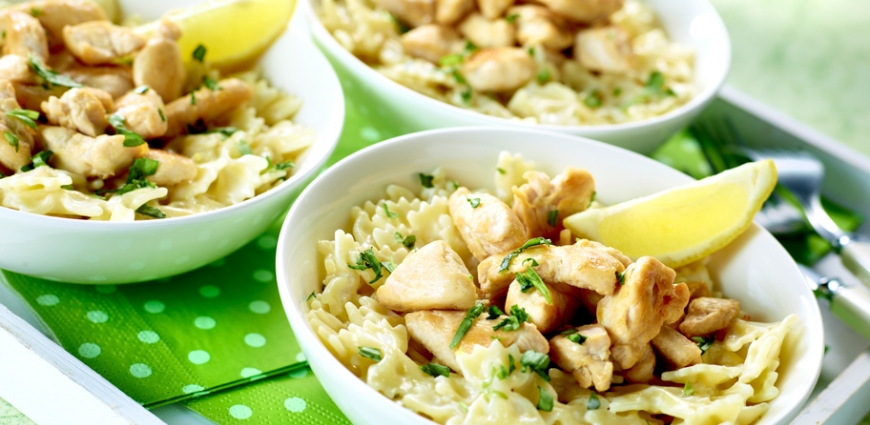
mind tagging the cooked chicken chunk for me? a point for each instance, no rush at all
(24, 36)
(538, 26)
(54, 15)
(173, 168)
(589, 299)
(588, 359)
(492, 9)
(16, 68)
(547, 317)
(82, 109)
(159, 64)
(448, 12)
(435, 330)
(488, 228)
(32, 97)
(634, 314)
(642, 371)
(698, 290)
(143, 113)
(8, 99)
(102, 157)
(707, 315)
(606, 49)
(499, 69)
(488, 32)
(678, 350)
(101, 42)
(540, 203)
(583, 10)
(115, 80)
(208, 106)
(431, 42)
(14, 153)
(430, 278)
(585, 264)
(412, 12)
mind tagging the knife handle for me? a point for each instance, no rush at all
(856, 257)
(851, 304)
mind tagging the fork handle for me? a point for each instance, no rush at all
(856, 257)
(851, 304)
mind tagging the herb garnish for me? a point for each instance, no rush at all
(451, 60)
(51, 77)
(367, 260)
(620, 278)
(475, 202)
(594, 100)
(704, 343)
(511, 18)
(435, 370)
(389, 213)
(531, 51)
(193, 98)
(38, 160)
(426, 180)
(543, 76)
(592, 198)
(466, 95)
(68, 187)
(136, 176)
(389, 265)
(162, 115)
(407, 241)
(211, 84)
(244, 148)
(150, 211)
(371, 353)
(545, 400)
(131, 138)
(199, 53)
(553, 218)
(529, 244)
(531, 279)
(593, 403)
(458, 77)
(35, 12)
(617, 91)
(26, 116)
(576, 337)
(141, 90)
(501, 170)
(516, 318)
(688, 389)
(12, 139)
(466, 323)
(536, 362)
(494, 312)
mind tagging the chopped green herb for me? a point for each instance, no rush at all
(451, 60)
(435, 370)
(162, 115)
(576, 337)
(426, 180)
(371, 353)
(469, 47)
(4, 34)
(389, 213)
(211, 84)
(466, 95)
(407, 241)
(512, 17)
(283, 166)
(535, 362)
(529, 244)
(12, 139)
(225, 132)
(193, 98)
(827, 347)
(141, 168)
(151, 211)
(688, 389)
(35, 12)
(67, 187)
(38, 160)
(592, 199)
(453, 185)
(51, 77)
(545, 400)
(310, 296)
(531, 279)
(131, 138)
(553, 218)
(141, 90)
(466, 323)
(593, 403)
(389, 265)
(620, 278)
(617, 91)
(475, 202)
(531, 51)
(501, 170)
(704, 343)
(463, 406)
(199, 53)
(400, 27)
(244, 148)
(543, 76)
(367, 260)
(458, 77)
(516, 318)
(656, 81)
(670, 92)
(26, 116)
(494, 312)
(594, 100)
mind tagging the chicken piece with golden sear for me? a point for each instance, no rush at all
(448, 12)
(585, 264)
(102, 156)
(143, 113)
(547, 316)
(486, 223)
(101, 42)
(159, 64)
(54, 15)
(81, 109)
(541, 204)
(584, 352)
(635, 313)
(583, 10)
(15, 148)
(498, 69)
(430, 278)
(493, 9)
(678, 350)
(115, 80)
(16, 68)
(23, 36)
(412, 12)
(431, 42)
(538, 26)
(643, 371)
(172, 169)
(206, 104)
(605, 49)
(435, 329)
(485, 32)
(707, 315)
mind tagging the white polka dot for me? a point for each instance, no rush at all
(97, 316)
(260, 307)
(370, 134)
(137, 265)
(255, 340)
(240, 411)
(154, 307)
(148, 337)
(301, 373)
(205, 236)
(209, 291)
(165, 244)
(97, 278)
(204, 322)
(219, 263)
(48, 300)
(267, 242)
(198, 357)
(264, 275)
(300, 357)
(89, 350)
(140, 370)
(249, 372)
(295, 404)
(192, 388)
(183, 259)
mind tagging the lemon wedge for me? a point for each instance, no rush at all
(234, 32)
(683, 224)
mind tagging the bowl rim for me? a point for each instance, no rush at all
(328, 41)
(292, 310)
(328, 143)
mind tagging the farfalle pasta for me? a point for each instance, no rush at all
(538, 339)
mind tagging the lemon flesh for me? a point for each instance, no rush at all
(684, 224)
(234, 32)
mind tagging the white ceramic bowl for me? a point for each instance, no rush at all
(691, 23)
(753, 269)
(80, 251)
